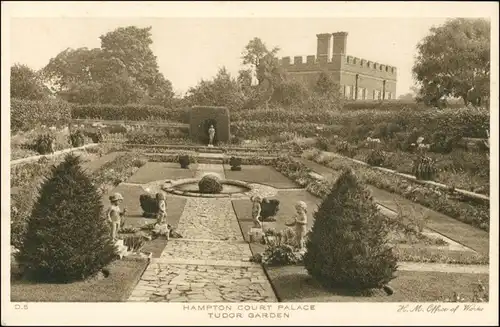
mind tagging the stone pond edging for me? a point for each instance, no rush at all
(169, 187)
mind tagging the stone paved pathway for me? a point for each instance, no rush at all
(210, 263)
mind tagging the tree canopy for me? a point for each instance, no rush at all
(255, 51)
(454, 61)
(123, 70)
(25, 83)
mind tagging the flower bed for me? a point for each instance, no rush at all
(476, 214)
(460, 168)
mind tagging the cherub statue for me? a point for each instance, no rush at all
(115, 214)
(256, 210)
(161, 204)
(300, 224)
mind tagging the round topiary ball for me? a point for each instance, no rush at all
(210, 184)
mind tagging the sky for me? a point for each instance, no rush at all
(191, 49)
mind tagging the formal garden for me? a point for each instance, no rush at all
(236, 193)
(209, 248)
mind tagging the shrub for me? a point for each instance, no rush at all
(280, 255)
(148, 204)
(134, 243)
(21, 206)
(376, 157)
(424, 168)
(235, 163)
(66, 239)
(184, 160)
(322, 143)
(44, 144)
(442, 143)
(77, 138)
(96, 136)
(26, 115)
(210, 184)
(348, 244)
(138, 112)
(270, 208)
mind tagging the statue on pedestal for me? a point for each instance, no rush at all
(211, 135)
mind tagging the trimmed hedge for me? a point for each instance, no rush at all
(464, 122)
(26, 114)
(395, 104)
(138, 112)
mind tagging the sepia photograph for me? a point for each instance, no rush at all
(249, 163)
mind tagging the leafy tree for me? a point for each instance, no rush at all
(67, 237)
(25, 83)
(325, 84)
(123, 70)
(454, 61)
(222, 90)
(290, 92)
(348, 244)
(245, 79)
(255, 51)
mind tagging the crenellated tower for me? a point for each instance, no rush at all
(359, 79)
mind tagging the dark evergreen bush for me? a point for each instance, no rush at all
(96, 136)
(67, 238)
(184, 160)
(149, 205)
(77, 138)
(235, 163)
(322, 143)
(348, 247)
(44, 144)
(424, 168)
(210, 184)
(269, 208)
(375, 158)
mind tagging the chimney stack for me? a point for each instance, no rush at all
(324, 49)
(339, 42)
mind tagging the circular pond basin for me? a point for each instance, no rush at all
(189, 187)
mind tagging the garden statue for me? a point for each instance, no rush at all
(256, 210)
(300, 224)
(211, 135)
(115, 214)
(161, 214)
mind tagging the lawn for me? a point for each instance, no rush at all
(293, 284)
(260, 174)
(124, 275)
(154, 171)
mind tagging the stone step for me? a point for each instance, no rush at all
(209, 160)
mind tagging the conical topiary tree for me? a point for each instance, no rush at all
(67, 238)
(347, 247)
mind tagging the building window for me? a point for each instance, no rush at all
(347, 92)
(364, 94)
